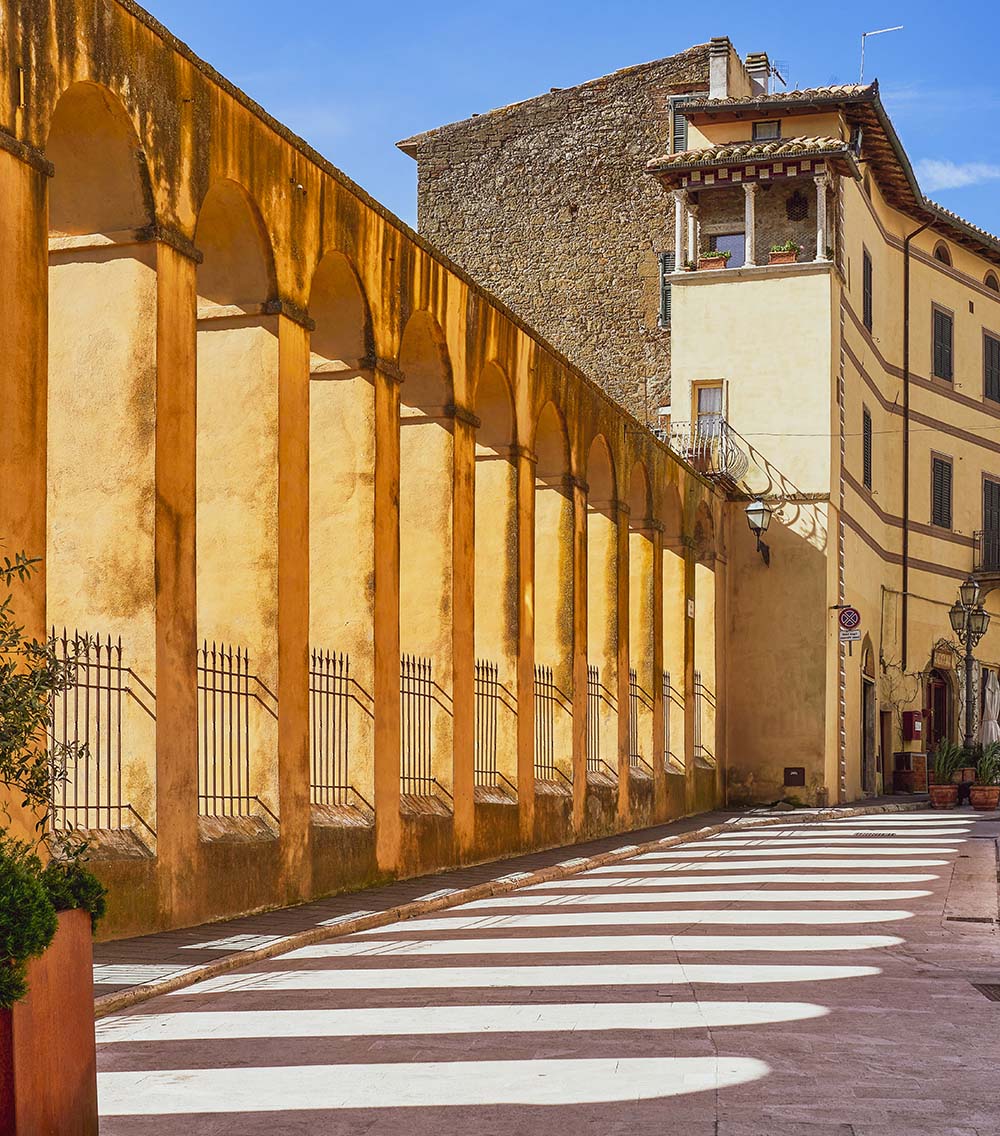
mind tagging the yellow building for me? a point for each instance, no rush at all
(373, 581)
(868, 373)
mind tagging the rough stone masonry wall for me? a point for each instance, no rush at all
(546, 203)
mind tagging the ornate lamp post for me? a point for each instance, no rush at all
(969, 621)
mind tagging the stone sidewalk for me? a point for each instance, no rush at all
(128, 970)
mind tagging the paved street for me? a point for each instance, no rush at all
(812, 979)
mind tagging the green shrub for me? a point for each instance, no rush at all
(71, 886)
(788, 246)
(988, 765)
(27, 917)
(948, 759)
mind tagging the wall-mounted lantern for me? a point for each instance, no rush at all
(759, 514)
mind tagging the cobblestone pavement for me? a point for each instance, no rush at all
(810, 980)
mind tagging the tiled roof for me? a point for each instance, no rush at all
(733, 152)
(955, 219)
(809, 95)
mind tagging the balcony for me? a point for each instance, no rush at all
(713, 448)
(986, 552)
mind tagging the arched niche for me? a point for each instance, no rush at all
(641, 568)
(341, 532)
(237, 494)
(101, 182)
(496, 582)
(101, 416)
(602, 609)
(426, 487)
(553, 598)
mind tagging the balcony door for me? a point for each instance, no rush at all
(991, 524)
(708, 412)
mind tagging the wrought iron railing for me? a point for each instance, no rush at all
(487, 693)
(713, 448)
(703, 699)
(545, 707)
(85, 734)
(593, 719)
(638, 701)
(416, 707)
(672, 697)
(330, 721)
(986, 551)
(226, 689)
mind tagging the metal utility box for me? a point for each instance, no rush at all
(913, 725)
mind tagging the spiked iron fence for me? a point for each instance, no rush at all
(638, 700)
(593, 720)
(329, 712)
(545, 706)
(671, 697)
(226, 689)
(487, 706)
(85, 734)
(416, 707)
(703, 698)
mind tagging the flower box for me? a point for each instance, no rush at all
(782, 257)
(713, 262)
(48, 1061)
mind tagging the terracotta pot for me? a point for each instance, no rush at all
(712, 262)
(48, 1062)
(985, 797)
(782, 257)
(944, 796)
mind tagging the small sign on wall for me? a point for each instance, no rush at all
(690, 609)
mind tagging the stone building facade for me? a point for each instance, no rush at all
(546, 203)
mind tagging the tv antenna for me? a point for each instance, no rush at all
(865, 35)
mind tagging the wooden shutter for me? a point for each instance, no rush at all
(991, 506)
(941, 492)
(680, 135)
(668, 261)
(866, 289)
(991, 368)
(942, 344)
(866, 445)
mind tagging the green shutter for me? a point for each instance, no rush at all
(941, 492)
(668, 261)
(991, 368)
(943, 365)
(866, 288)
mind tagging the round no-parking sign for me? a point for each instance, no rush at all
(850, 624)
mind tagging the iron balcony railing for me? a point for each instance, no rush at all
(986, 553)
(712, 447)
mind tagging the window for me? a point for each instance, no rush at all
(941, 253)
(991, 281)
(709, 407)
(991, 367)
(735, 243)
(866, 446)
(866, 289)
(943, 340)
(991, 508)
(941, 492)
(764, 130)
(668, 261)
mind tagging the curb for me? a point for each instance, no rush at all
(454, 897)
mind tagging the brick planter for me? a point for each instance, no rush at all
(944, 796)
(48, 1063)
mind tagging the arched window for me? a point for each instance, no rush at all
(991, 281)
(941, 253)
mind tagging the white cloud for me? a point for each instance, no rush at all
(934, 174)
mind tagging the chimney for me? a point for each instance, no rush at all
(718, 67)
(758, 67)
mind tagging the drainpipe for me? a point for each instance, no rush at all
(906, 435)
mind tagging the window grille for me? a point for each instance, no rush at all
(668, 262)
(330, 699)
(943, 345)
(487, 703)
(866, 446)
(866, 290)
(85, 734)
(797, 206)
(416, 699)
(545, 702)
(941, 474)
(991, 367)
(593, 720)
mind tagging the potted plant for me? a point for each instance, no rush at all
(48, 905)
(690, 265)
(786, 253)
(948, 758)
(985, 792)
(714, 258)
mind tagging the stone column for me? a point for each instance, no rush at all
(526, 643)
(293, 606)
(821, 181)
(386, 630)
(750, 220)
(680, 204)
(693, 233)
(176, 575)
(463, 628)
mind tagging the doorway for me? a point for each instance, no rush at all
(868, 737)
(937, 709)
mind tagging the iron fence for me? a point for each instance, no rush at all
(712, 446)
(545, 706)
(593, 720)
(986, 550)
(671, 697)
(415, 708)
(638, 700)
(703, 698)
(329, 711)
(487, 692)
(226, 689)
(85, 734)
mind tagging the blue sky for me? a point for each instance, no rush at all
(354, 78)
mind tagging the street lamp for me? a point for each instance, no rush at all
(759, 514)
(969, 620)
